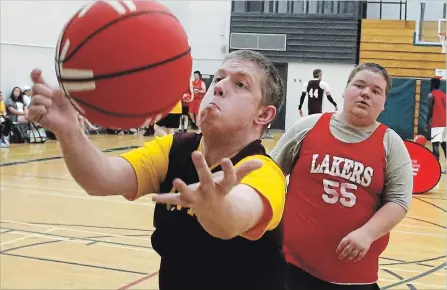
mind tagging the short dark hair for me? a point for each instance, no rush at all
(435, 84)
(199, 73)
(316, 73)
(373, 67)
(272, 86)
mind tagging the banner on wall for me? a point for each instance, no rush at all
(426, 169)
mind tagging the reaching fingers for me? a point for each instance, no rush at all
(36, 113)
(170, 198)
(43, 90)
(203, 171)
(229, 176)
(39, 100)
(245, 168)
(37, 78)
(187, 194)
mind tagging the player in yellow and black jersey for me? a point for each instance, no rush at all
(220, 198)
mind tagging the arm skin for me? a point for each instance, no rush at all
(389, 216)
(97, 173)
(243, 209)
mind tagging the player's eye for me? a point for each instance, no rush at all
(240, 85)
(377, 92)
(216, 80)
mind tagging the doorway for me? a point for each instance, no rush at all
(280, 121)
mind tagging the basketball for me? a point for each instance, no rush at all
(420, 139)
(123, 62)
(186, 97)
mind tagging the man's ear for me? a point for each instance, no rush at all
(266, 115)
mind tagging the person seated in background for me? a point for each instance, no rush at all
(2, 105)
(26, 91)
(5, 124)
(16, 107)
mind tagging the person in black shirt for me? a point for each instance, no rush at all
(315, 89)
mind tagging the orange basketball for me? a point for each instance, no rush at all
(420, 139)
(123, 62)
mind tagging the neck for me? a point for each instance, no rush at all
(356, 121)
(223, 146)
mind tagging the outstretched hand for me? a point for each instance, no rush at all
(210, 191)
(49, 106)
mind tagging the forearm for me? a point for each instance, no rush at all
(385, 219)
(242, 209)
(90, 167)
(303, 96)
(330, 99)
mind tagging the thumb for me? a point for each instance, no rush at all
(37, 78)
(247, 167)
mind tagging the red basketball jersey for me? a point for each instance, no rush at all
(197, 85)
(335, 188)
(439, 111)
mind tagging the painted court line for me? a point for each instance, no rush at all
(79, 241)
(72, 230)
(103, 199)
(410, 271)
(26, 237)
(415, 283)
(142, 279)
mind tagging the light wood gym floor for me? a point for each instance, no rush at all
(54, 236)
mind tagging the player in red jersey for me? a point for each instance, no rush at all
(437, 117)
(350, 184)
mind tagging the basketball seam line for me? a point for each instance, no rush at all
(124, 72)
(107, 25)
(121, 115)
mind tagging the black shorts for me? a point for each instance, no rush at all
(171, 121)
(301, 280)
(185, 110)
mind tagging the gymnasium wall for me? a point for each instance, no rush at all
(335, 75)
(26, 43)
(390, 43)
(406, 107)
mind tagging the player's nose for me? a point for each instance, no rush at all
(366, 93)
(218, 89)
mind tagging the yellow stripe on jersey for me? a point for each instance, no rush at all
(270, 183)
(150, 163)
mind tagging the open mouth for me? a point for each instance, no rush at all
(363, 103)
(214, 105)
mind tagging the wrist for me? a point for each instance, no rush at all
(68, 133)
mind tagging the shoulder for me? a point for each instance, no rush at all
(157, 146)
(395, 149)
(268, 167)
(305, 124)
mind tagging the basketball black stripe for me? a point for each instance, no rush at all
(107, 25)
(125, 72)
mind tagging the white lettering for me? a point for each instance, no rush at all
(350, 170)
(344, 195)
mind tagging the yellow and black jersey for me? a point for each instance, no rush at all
(190, 257)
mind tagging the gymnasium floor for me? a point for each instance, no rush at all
(54, 236)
